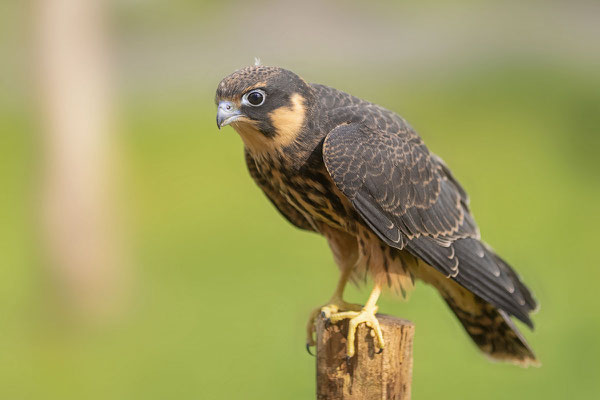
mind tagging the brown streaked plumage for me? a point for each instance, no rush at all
(389, 208)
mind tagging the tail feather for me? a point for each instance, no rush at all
(492, 330)
(490, 327)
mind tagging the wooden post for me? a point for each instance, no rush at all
(367, 375)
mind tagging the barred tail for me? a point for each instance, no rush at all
(490, 328)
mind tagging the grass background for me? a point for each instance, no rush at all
(223, 285)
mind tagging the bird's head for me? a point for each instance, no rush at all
(267, 106)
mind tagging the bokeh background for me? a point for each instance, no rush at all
(139, 261)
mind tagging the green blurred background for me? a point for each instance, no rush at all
(508, 93)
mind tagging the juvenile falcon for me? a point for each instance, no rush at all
(359, 175)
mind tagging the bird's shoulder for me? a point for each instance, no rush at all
(336, 107)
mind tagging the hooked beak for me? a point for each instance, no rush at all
(227, 113)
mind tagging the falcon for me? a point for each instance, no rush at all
(390, 209)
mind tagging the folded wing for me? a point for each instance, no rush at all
(409, 198)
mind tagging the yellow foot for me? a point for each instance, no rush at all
(366, 316)
(334, 307)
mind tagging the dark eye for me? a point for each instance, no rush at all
(255, 98)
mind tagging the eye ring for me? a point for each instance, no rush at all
(254, 98)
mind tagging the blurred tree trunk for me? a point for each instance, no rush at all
(78, 209)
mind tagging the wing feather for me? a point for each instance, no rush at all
(411, 200)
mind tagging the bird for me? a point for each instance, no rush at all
(390, 209)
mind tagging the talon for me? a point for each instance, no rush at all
(380, 351)
(348, 358)
(326, 312)
(308, 349)
(365, 316)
